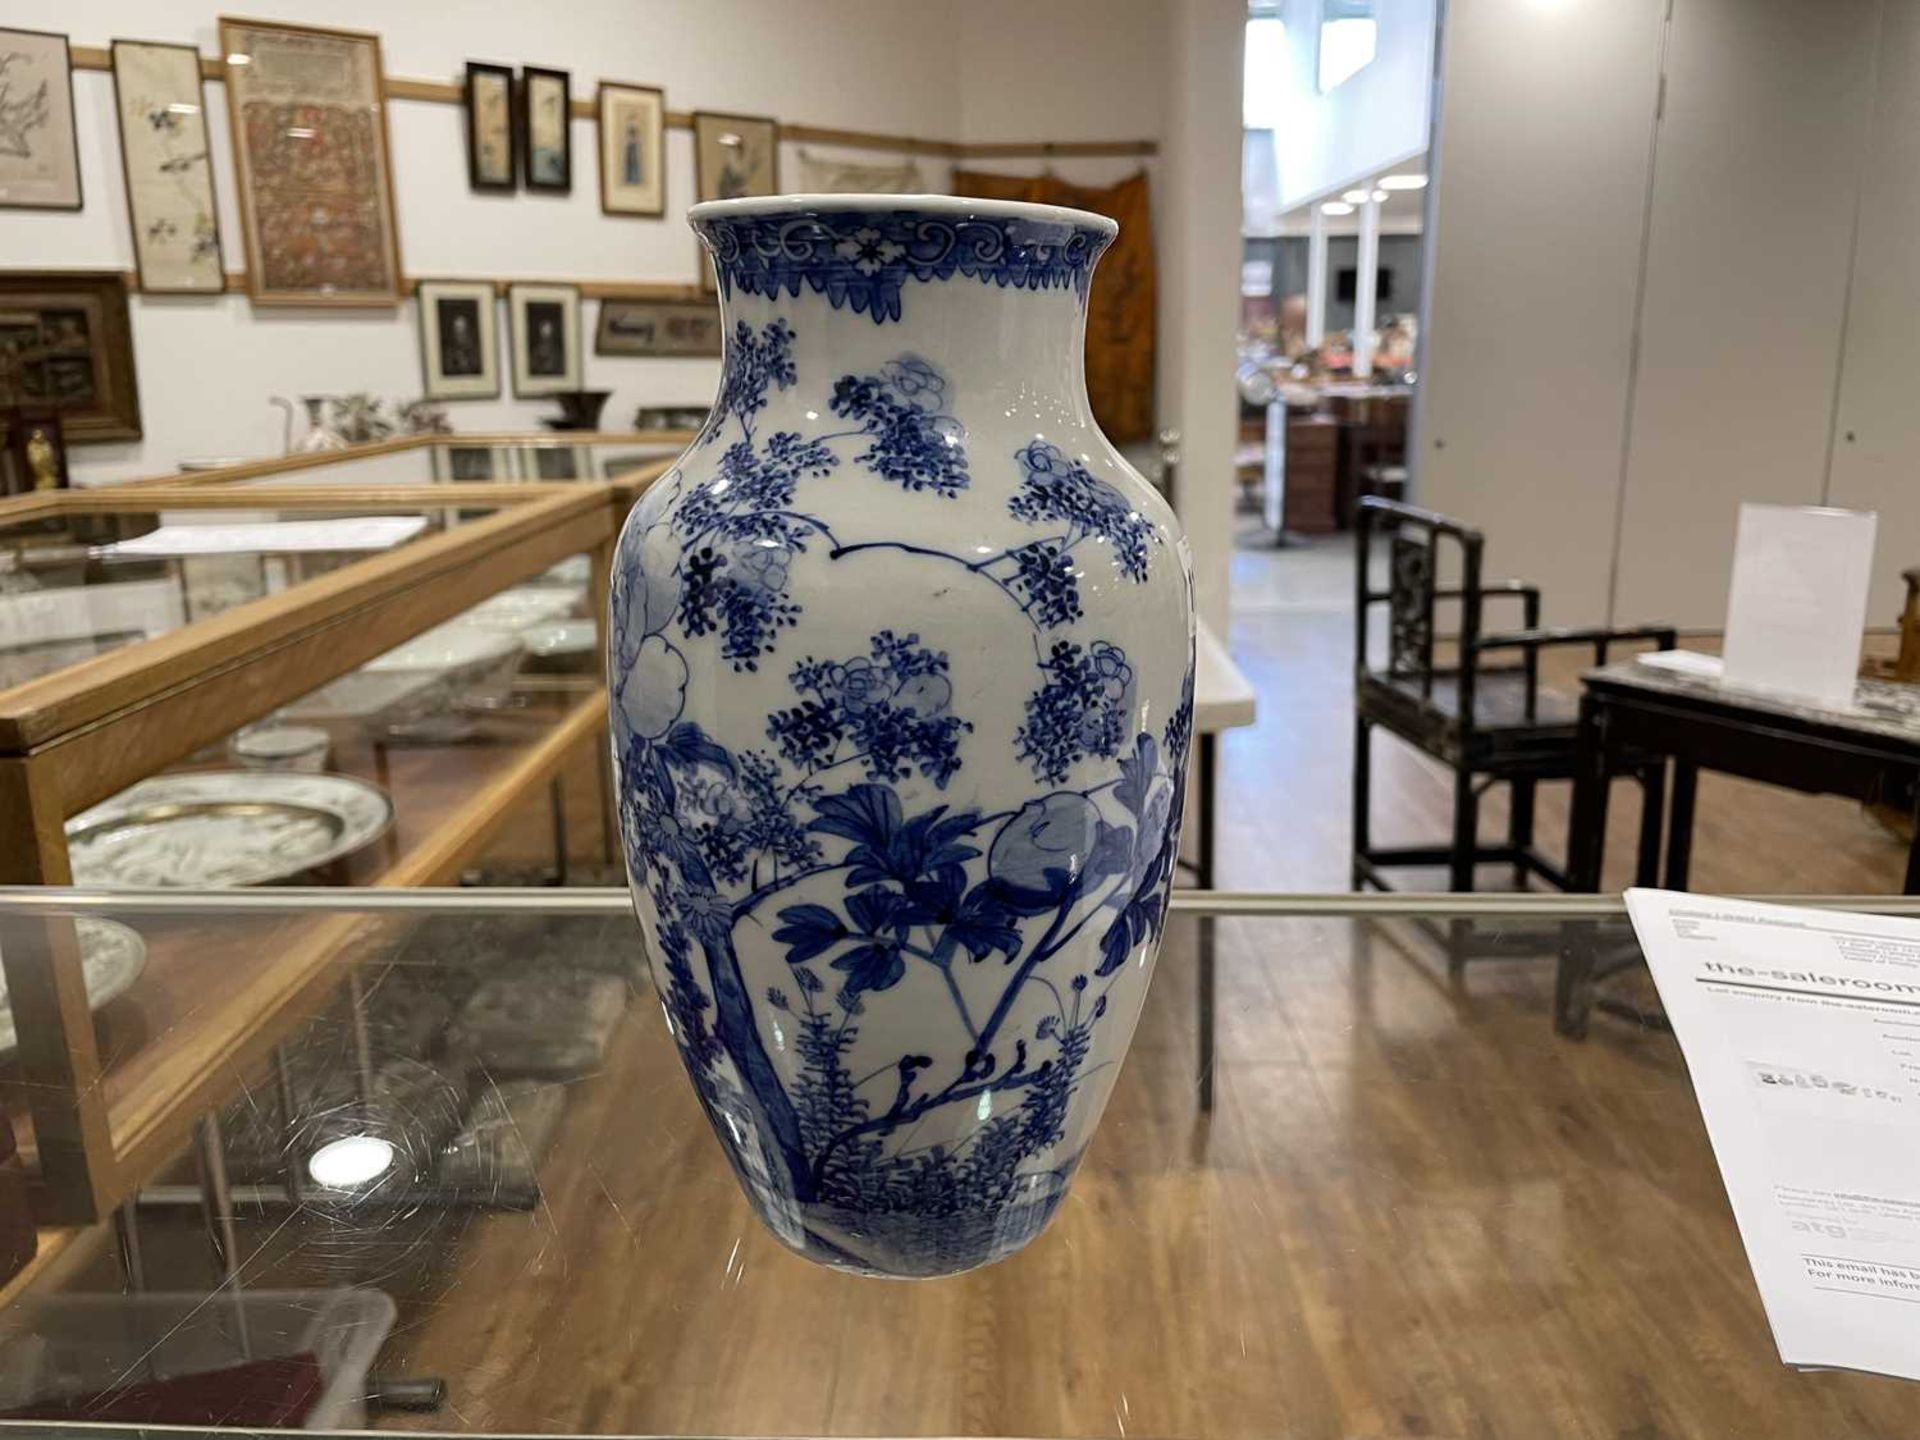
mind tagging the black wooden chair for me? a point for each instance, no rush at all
(1481, 712)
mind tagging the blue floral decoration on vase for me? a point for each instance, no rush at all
(901, 706)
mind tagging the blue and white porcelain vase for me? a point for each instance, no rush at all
(901, 658)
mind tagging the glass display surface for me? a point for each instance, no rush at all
(83, 582)
(479, 1172)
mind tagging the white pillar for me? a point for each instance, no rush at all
(1316, 277)
(1366, 284)
(1196, 226)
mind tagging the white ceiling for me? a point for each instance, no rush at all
(1401, 213)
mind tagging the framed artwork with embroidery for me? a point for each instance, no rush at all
(39, 158)
(164, 152)
(307, 110)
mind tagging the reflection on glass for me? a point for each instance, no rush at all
(1349, 35)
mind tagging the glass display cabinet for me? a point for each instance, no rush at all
(249, 685)
(627, 461)
(477, 1173)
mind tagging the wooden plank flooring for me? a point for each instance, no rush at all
(1415, 1210)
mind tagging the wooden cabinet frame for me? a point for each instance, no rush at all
(81, 734)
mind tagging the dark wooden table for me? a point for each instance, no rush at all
(1869, 750)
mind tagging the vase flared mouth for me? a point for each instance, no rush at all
(866, 252)
(942, 207)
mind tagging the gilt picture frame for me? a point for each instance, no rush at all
(39, 146)
(307, 110)
(166, 160)
(682, 328)
(735, 155)
(633, 150)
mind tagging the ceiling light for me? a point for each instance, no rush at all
(1336, 207)
(1354, 197)
(1403, 182)
(1379, 195)
(350, 1162)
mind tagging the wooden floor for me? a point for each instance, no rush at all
(1415, 1210)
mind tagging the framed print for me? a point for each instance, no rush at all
(66, 345)
(39, 157)
(473, 462)
(561, 462)
(657, 327)
(633, 150)
(544, 322)
(546, 129)
(308, 112)
(168, 166)
(490, 164)
(735, 155)
(459, 339)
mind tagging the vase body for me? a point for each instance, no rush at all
(901, 664)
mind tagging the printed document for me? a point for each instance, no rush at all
(1801, 1029)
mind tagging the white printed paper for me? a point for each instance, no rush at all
(354, 532)
(1798, 604)
(1801, 1030)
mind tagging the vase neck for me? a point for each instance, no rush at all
(995, 290)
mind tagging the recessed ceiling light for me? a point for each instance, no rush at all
(1354, 197)
(1379, 195)
(1336, 207)
(1403, 182)
(350, 1162)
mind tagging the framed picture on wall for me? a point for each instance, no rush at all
(658, 327)
(546, 129)
(544, 323)
(66, 345)
(39, 157)
(633, 150)
(308, 112)
(459, 340)
(735, 155)
(168, 165)
(490, 164)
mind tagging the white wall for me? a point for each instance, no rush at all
(1875, 459)
(1539, 201)
(1368, 123)
(207, 366)
(1754, 185)
(1643, 314)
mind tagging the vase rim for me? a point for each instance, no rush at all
(942, 205)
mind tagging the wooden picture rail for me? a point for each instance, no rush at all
(442, 92)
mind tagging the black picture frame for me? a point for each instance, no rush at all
(508, 183)
(537, 177)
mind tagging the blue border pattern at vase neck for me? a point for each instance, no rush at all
(865, 258)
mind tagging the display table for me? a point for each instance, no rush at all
(1413, 1211)
(1868, 751)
